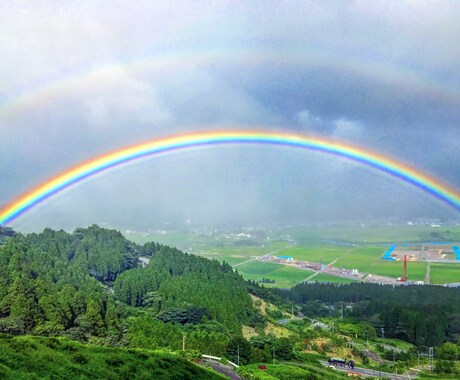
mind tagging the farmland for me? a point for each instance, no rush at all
(348, 247)
(442, 273)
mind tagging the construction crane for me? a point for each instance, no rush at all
(404, 274)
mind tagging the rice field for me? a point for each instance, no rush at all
(444, 273)
(350, 247)
(284, 276)
(415, 270)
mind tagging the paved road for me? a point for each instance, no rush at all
(427, 275)
(284, 321)
(371, 373)
(224, 369)
(244, 262)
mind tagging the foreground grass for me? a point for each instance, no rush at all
(27, 357)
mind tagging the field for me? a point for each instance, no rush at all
(326, 254)
(393, 234)
(284, 276)
(444, 273)
(415, 270)
(349, 247)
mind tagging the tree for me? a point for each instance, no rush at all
(448, 351)
(238, 344)
(93, 322)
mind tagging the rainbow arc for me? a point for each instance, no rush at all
(105, 162)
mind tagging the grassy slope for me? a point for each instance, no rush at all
(27, 357)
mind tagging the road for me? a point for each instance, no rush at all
(427, 276)
(244, 262)
(224, 370)
(371, 373)
(255, 257)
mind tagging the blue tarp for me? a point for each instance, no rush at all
(387, 255)
(456, 251)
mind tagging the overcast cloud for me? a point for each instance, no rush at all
(81, 78)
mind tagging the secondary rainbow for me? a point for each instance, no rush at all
(74, 175)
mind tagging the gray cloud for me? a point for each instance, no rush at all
(82, 79)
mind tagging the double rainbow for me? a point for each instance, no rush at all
(74, 175)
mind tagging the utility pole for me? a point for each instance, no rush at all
(238, 354)
(394, 361)
(183, 342)
(431, 354)
(382, 329)
(341, 313)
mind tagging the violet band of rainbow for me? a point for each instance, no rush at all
(76, 174)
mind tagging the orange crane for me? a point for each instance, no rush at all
(404, 275)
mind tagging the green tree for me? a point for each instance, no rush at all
(239, 345)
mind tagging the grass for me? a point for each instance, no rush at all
(325, 253)
(284, 276)
(30, 358)
(361, 258)
(388, 343)
(416, 270)
(444, 273)
(399, 344)
(258, 268)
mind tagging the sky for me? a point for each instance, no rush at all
(78, 79)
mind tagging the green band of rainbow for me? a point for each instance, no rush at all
(105, 162)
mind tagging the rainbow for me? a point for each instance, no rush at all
(166, 62)
(119, 157)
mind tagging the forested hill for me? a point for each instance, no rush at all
(90, 283)
(422, 315)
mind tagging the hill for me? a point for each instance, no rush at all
(29, 358)
(124, 299)
(89, 283)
